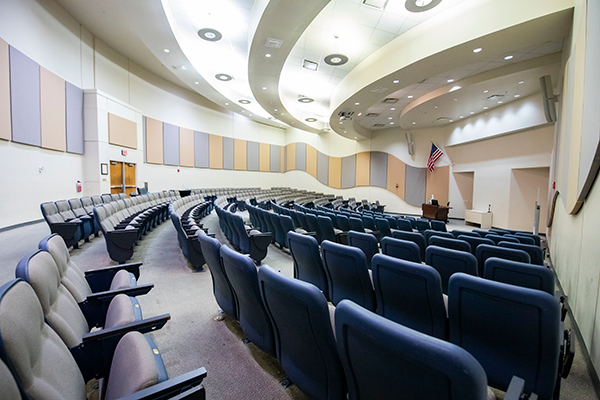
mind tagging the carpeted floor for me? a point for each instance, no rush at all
(197, 335)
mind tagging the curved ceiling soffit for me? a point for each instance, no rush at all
(285, 21)
(444, 43)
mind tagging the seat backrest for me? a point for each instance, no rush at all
(222, 290)
(70, 274)
(449, 261)
(253, 317)
(485, 251)
(404, 225)
(369, 222)
(106, 198)
(304, 341)
(77, 207)
(509, 329)
(279, 234)
(356, 224)
(410, 293)
(343, 222)
(10, 390)
(415, 237)
(313, 225)
(438, 225)
(535, 238)
(64, 209)
(456, 233)
(97, 200)
(430, 232)
(399, 248)
(455, 244)
(519, 273)
(423, 224)
(521, 238)
(326, 231)
(364, 241)
(475, 242)
(87, 204)
(39, 360)
(50, 213)
(497, 238)
(347, 274)
(60, 309)
(536, 253)
(383, 226)
(308, 265)
(384, 359)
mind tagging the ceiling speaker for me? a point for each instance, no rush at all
(410, 144)
(548, 98)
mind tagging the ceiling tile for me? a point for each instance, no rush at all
(380, 37)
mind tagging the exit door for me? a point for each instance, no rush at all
(122, 177)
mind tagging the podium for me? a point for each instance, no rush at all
(439, 213)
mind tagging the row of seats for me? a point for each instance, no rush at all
(49, 336)
(186, 214)
(348, 352)
(245, 240)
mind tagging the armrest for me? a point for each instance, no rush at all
(515, 389)
(64, 229)
(94, 354)
(185, 386)
(567, 354)
(95, 306)
(134, 268)
(124, 238)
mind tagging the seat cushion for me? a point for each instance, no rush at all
(122, 310)
(122, 280)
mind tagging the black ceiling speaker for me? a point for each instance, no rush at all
(548, 98)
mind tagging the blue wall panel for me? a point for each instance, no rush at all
(74, 115)
(252, 155)
(25, 99)
(170, 144)
(227, 153)
(200, 149)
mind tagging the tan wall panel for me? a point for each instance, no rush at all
(282, 156)
(396, 176)
(215, 152)
(335, 172)
(363, 168)
(291, 157)
(437, 184)
(5, 127)
(186, 147)
(264, 157)
(122, 132)
(311, 161)
(240, 154)
(154, 141)
(52, 107)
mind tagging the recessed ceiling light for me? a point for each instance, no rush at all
(305, 100)
(224, 77)
(396, 81)
(477, 50)
(410, 96)
(485, 91)
(359, 114)
(451, 120)
(167, 50)
(391, 123)
(420, 5)
(472, 112)
(268, 55)
(354, 137)
(311, 65)
(212, 35)
(275, 110)
(197, 83)
(226, 104)
(414, 123)
(509, 57)
(500, 102)
(264, 88)
(356, 104)
(454, 88)
(455, 99)
(485, 108)
(390, 117)
(517, 95)
(336, 59)
(341, 122)
(393, 108)
(450, 80)
(461, 116)
(244, 101)
(282, 114)
(521, 82)
(436, 107)
(310, 119)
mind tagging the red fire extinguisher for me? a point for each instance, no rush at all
(79, 187)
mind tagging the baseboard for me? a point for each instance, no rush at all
(22, 224)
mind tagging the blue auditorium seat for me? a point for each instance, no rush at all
(366, 242)
(455, 244)
(497, 238)
(535, 252)
(308, 265)
(399, 248)
(438, 225)
(430, 232)
(474, 242)
(519, 273)
(448, 261)
(415, 237)
(485, 251)
(405, 225)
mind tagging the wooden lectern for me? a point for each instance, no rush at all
(439, 213)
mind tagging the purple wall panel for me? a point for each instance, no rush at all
(25, 99)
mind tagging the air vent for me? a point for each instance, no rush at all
(313, 66)
(273, 43)
(373, 115)
(443, 119)
(495, 97)
(180, 67)
(378, 125)
(378, 4)
(390, 100)
(345, 113)
(379, 89)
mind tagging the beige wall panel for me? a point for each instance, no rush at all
(215, 152)
(335, 172)
(437, 184)
(396, 175)
(239, 154)
(311, 161)
(5, 127)
(291, 157)
(264, 157)
(121, 131)
(52, 107)
(154, 141)
(186, 147)
(363, 169)
(282, 156)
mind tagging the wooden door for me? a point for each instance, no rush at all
(116, 177)
(129, 173)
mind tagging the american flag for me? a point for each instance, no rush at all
(433, 157)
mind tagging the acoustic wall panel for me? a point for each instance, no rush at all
(25, 98)
(335, 172)
(154, 141)
(301, 156)
(438, 184)
(311, 161)
(186, 147)
(122, 132)
(74, 116)
(263, 157)
(215, 148)
(416, 179)
(322, 168)
(4, 91)
(396, 178)
(239, 154)
(282, 160)
(252, 156)
(201, 149)
(291, 157)
(52, 110)
(275, 157)
(349, 171)
(228, 153)
(170, 144)
(379, 164)
(363, 168)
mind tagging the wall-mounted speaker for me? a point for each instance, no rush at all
(410, 144)
(548, 98)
